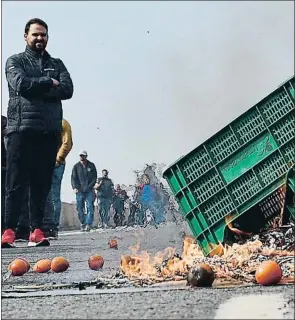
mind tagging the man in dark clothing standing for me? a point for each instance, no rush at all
(37, 84)
(120, 197)
(3, 170)
(105, 193)
(84, 176)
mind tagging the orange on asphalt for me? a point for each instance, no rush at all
(42, 266)
(18, 267)
(95, 262)
(59, 264)
(268, 273)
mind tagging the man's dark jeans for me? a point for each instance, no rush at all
(52, 207)
(119, 212)
(53, 202)
(3, 179)
(104, 211)
(31, 159)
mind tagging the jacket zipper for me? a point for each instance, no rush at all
(41, 69)
(19, 110)
(40, 65)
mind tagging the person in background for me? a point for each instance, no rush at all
(3, 170)
(160, 202)
(53, 203)
(146, 199)
(134, 208)
(37, 84)
(120, 197)
(105, 193)
(83, 179)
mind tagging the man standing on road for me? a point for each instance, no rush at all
(120, 197)
(105, 193)
(53, 203)
(37, 84)
(3, 170)
(84, 176)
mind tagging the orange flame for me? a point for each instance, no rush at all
(226, 262)
(164, 264)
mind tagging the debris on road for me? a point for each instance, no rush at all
(239, 261)
(113, 244)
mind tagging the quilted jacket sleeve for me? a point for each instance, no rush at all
(65, 89)
(21, 83)
(75, 178)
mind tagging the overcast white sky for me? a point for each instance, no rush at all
(156, 78)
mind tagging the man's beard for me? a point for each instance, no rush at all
(39, 46)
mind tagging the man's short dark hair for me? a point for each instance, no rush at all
(105, 170)
(35, 21)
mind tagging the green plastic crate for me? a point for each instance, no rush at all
(237, 168)
(289, 205)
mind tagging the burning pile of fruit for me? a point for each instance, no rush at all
(266, 259)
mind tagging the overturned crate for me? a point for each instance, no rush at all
(241, 169)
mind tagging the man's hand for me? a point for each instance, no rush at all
(97, 185)
(76, 191)
(55, 83)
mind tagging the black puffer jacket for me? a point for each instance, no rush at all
(33, 101)
(3, 149)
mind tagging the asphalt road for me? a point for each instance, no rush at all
(166, 303)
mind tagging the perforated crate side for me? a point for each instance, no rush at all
(223, 144)
(284, 129)
(195, 164)
(249, 126)
(206, 186)
(271, 169)
(272, 206)
(276, 107)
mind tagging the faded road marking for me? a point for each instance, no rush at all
(266, 306)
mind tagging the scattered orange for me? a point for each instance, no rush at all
(26, 261)
(42, 266)
(201, 275)
(18, 267)
(113, 243)
(95, 262)
(268, 273)
(59, 264)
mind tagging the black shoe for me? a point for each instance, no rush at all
(51, 234)
(22, 234)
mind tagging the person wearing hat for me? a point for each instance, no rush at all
(83, 179)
